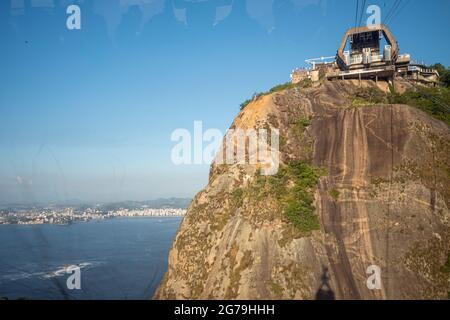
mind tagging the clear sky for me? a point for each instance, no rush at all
(87, 114)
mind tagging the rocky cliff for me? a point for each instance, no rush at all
(360, 184)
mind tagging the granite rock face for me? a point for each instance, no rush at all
(381, 199)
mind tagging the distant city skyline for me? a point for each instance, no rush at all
(88, 114)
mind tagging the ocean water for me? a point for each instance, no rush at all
(123, 258)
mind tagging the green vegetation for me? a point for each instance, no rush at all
(285, 86)
(334, 194)
(368, 96)
(255, 96)
(444, 74)
(282, 141)
(237, 197)
(293, 189)
(302, 124)
(299, 199)
(434, 101)
(276, 289)
(235, 275)
(245, 103)
(446, 267)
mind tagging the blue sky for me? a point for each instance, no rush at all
(87, 114)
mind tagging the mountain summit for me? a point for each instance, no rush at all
(363, 190)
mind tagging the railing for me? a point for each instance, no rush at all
(358, 59)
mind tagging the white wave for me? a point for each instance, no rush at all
(61, 271)
(67, 269)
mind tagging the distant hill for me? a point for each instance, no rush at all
(175, 203)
